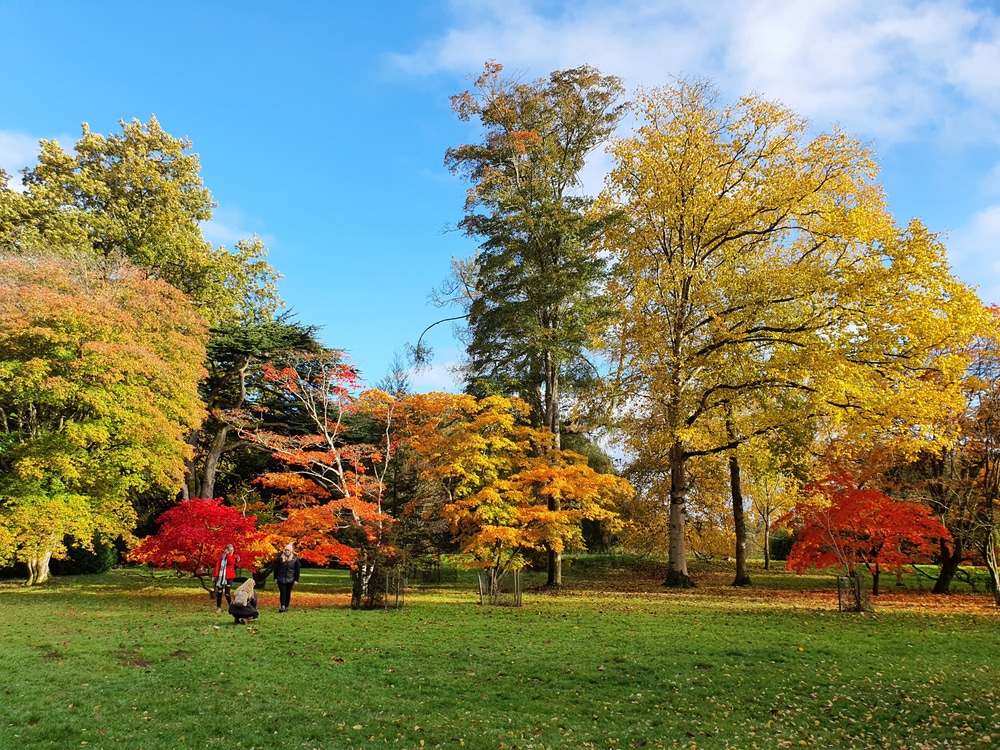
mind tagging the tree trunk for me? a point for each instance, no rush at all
(38, 568)
(551, 419)
(212, 462)
(949, 566)
(739, 522)
(367, 583)
(677, 573)
(767, 546)
(206, 486)
(260, 577)
(190, 489)
(554, 580)
(993, 564)
(876, 574)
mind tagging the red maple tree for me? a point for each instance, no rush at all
(330, 482)
(840, 524)
(193, 534)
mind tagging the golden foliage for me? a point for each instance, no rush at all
(489, 474)
(762, 285)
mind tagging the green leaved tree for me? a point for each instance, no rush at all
(138, 195)
(533, 292)
(99, 372)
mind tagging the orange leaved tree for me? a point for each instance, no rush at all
(483, 469)
(332, 451)
(842, 525)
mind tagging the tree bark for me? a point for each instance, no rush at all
(677, 572)
(767, 546)
(204, 486)
(993, 565)
(212, 462)
(187, 490)
(551, 418)
(949, 566)
(739, 522)
(876, 575)
(38, 568)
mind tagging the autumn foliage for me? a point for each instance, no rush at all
(193, 534)
(485, 471)
(329, 482)
(99, 368)
(842, 525)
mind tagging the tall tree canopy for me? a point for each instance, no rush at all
(535, 286)
(758, 264)
(99, 371)
(536, 276)
(235, 355)
(138, 194)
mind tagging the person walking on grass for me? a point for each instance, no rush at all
(244, 606)
(225, 573)
(286, 575)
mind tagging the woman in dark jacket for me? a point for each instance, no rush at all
(286, 575)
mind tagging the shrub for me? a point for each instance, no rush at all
(81, 561)
(781, 545)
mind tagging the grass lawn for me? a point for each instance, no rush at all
(614, 661)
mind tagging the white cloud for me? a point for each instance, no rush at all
(441, 377)
(974, 251)
(889, 69)
(17, 150)
(228, 226)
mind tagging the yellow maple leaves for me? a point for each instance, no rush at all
(489, 474)
(761, 281)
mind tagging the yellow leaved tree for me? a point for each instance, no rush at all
(482, 468)
(761, 282)
(99, 371)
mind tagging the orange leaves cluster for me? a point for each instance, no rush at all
(332, 488)
(480, 468)
(490, 476)
(314, 531)
(296, 490)
(521, 139)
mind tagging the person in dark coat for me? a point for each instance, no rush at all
(225, 572)
(244, 606)
(286, 575)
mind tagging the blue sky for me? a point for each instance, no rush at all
(322, 126)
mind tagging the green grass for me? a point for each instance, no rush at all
(614, 661)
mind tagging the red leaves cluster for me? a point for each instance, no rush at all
(843, 525)
(194, 533)
(331, 489)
